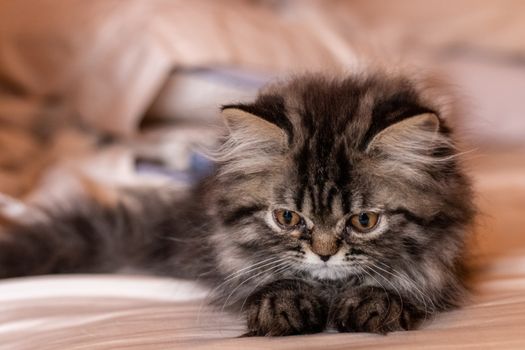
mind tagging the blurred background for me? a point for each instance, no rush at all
(122, 91)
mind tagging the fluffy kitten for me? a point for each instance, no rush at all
(334, 203)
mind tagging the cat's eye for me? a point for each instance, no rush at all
(364, 221)
(287, 218)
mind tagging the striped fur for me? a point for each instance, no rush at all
(326, 148)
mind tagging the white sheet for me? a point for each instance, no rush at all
(136, 312)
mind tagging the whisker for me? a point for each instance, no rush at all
(269, 260)
(410, 281)
(249, 279)
(393, 286)
(274, 273)
(419, 293)
(363, 268)
(246, 270)
(236, 274)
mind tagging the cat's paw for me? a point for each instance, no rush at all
(285, 307)
(373, 310)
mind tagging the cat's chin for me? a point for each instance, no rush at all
(327, 272)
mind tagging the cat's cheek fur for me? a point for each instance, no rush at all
(286, 307)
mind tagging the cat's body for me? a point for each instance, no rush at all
(335, 203)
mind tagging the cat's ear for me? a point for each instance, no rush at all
(244, 125)
(415, 134)
(256, 141)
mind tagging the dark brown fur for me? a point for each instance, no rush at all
(327, 149)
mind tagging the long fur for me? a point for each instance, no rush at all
(326, 148)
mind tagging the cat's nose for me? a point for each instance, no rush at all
(324, 245)
(324, 257)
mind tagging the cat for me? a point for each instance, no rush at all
(335, 202)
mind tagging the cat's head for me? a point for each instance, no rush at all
(332, 178)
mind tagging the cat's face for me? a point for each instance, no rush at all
(332, 179)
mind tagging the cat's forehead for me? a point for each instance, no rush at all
(333, 122)
(354, 108)
(339, 134)
(326, 94)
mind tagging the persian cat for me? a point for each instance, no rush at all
(334, 203)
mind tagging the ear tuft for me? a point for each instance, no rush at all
(427, 121)
(243, 125)
(253, 144)
(412, 147)
(417, 130)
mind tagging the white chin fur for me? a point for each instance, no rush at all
(328, 272)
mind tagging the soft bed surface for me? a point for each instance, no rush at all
(164, 317)
(138, 312)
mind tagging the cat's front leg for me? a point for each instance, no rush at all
(286, 307)
(374, 310)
